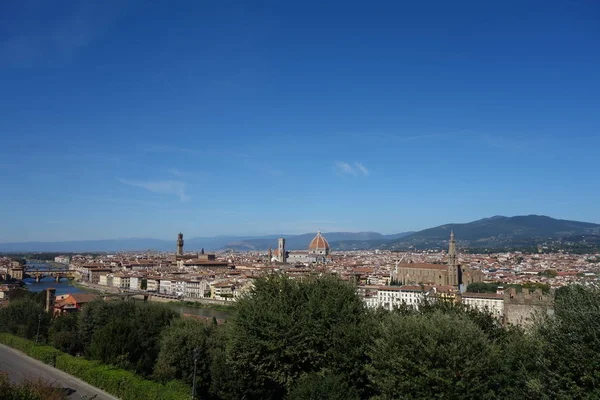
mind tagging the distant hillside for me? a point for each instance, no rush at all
(238, 243)
(300, 242)
(501, 231)
(494, 232)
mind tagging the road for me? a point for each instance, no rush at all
(19, 367)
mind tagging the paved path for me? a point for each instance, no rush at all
(19, 366)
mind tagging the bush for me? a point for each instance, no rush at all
(118, 382)
(29, 390)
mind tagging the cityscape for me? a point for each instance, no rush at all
(257, 200)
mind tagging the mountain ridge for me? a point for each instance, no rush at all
(492, 232)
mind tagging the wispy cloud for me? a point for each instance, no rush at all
(176, 172)
(166, 149)
(176, 188)
(31, 42)
(360, 167)
(355, 169)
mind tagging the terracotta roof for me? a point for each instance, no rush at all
(318, 243)
(84, 297)
(423, 266)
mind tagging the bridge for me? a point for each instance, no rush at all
(56, 274)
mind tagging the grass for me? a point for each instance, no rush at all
(195, 304)
(87, 289)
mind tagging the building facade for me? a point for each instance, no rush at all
(318, 252)
(450, 274)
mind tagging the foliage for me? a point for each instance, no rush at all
(22, 317)
(29, 390)
(482, 287)
(182, 342)
(126, 334)
(571, 344)
(118, 382)
(312, 338)
(549, 273)
(286, 328)
(424, 356)
(322, 386)
(45, 354)
(63, 333)
(485, 287)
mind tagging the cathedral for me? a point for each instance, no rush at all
(451, 274)
(318, 252)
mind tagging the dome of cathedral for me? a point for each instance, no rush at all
(318, 243)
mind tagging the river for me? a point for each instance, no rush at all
(64, 286)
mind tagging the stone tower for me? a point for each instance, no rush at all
(454, 273)
(281, 249)
(180, 244)
(50, 299)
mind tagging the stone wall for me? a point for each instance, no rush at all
(522, 308)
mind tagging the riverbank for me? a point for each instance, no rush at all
(85, 287)
(196, 304)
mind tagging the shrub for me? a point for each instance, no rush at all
(118, 382)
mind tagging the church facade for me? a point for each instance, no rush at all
(317, 253)
(450, 274)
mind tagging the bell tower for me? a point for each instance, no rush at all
(454, 272)
(180, 244)
(281, 249)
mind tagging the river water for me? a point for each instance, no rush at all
(64, 286)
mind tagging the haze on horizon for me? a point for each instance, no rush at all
(130, 119)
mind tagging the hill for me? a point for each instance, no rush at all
(500, 231)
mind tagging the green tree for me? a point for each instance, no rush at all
(288, 327)
(322, 386)
(482, 287)
(23, 317)
(64, 333)
(572, 344)
(183, 341)
(124, 332)
(432, 355)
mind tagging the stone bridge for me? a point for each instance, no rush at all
(56, 274)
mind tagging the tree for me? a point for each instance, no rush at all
(184, 341)
(432, 355)
(571, 344)
(64, 333)
(322, 386)
(124, 332)
(23, 317)
(287, 328)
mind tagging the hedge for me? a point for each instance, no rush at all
(120, 383)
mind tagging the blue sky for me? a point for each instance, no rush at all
(143, 119)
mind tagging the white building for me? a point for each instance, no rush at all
(62, 259)
(153, 284)
(492, 302)
(105, 280)
(389, 297)
(165, 286)
(121, 281)
(222, 291)
(135, 282)
(196, 288)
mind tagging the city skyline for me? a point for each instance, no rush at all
(126, 121)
